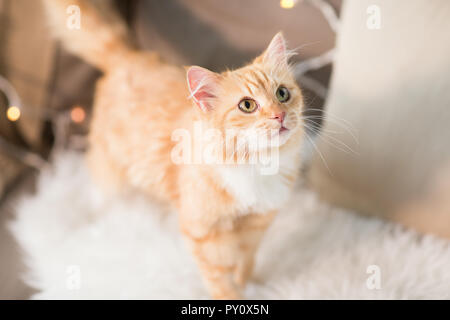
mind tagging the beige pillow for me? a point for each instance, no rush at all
(392, 86)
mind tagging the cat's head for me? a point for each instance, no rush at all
(262, 96)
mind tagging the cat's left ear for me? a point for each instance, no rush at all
(203, 85)
(276, 52)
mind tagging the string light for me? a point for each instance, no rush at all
(77, 114)
(287, 4)
(13, 113)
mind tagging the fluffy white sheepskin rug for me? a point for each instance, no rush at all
(76, 244)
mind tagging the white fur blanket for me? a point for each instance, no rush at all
(77, 244)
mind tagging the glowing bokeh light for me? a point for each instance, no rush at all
(287, 4)
(13, 113)
(77, 114)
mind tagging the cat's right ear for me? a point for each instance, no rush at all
(202, 85)
(276, 53)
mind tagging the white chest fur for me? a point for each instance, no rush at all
(255, 192)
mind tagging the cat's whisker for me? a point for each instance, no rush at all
(338, 145)
(326, 114)
(318, 129)
(319, 153)
(348, 129)
(332, 120)
(341, 145)
(311, 122)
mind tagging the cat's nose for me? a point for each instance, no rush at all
(279, 116)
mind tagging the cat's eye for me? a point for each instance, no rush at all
(283, 94)
(247, 105)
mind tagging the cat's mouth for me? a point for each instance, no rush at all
(283, 129)
(283, 135)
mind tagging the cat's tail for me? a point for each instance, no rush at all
(91, 29)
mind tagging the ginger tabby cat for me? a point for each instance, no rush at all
(223, 208)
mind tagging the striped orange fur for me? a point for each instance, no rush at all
(223, 209)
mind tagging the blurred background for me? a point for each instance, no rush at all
(55, 89)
